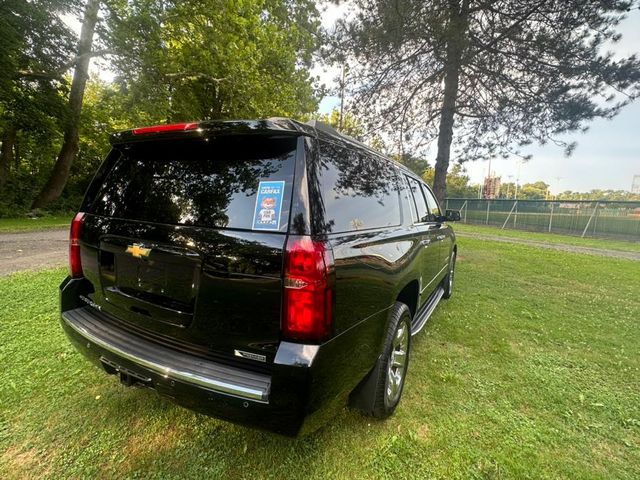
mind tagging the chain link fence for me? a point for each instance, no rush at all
(571, 217)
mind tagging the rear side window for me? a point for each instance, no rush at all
(359, 190)
(208, 183)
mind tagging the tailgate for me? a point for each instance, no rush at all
(185, 243)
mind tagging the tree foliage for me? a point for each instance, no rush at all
(597, 194)
(458, 185)
(214, 59)
(350, 124)
(35, 46)
(416, 163)
(488, 76)
(174, 60)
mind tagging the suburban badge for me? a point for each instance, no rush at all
(251, 356)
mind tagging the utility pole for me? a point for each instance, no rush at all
(509, 185)
(342, 85)
(519, 162)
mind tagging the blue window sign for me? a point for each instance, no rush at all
(266, 215)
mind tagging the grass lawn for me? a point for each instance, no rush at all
(550, 237)
(24, 224)
(531, 370)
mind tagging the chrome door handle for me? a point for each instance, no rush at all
(425, 242)
(441, 237)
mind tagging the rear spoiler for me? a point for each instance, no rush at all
(268, 127)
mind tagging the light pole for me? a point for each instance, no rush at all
(519, 162)
(558, 186)
(342, 86)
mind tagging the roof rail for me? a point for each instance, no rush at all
(323, 127)
(328, 129)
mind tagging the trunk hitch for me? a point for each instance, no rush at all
(127, 377)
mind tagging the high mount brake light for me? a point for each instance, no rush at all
(308, 291)
(175, 127)
(75, 263)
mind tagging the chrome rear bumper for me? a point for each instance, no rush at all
(95, 328)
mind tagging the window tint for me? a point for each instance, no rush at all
(359, 191)
(418, 197)
(194, 182)
(434, 209)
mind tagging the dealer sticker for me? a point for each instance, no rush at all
(266, 215)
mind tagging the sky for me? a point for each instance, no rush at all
(607, 156)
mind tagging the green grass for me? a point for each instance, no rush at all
(550, 237)
(25, 224)
(531, 370)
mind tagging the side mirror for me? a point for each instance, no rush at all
(452, 215)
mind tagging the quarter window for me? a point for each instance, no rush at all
(359, 191)
(420, 202)
(434, 209)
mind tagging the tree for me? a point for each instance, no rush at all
(533, 191)
(494, 75)
(508, 190)
(610, 195)
(417, 164)
(458, 185)
(60, 174)
(214, 59)
(35, 46)
(350, 124)
(178, 61)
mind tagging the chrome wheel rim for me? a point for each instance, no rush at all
(397, 363)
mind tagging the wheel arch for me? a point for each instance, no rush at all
(409, 296)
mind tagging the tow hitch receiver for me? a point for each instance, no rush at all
(127, 377)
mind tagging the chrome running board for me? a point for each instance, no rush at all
(423, 315)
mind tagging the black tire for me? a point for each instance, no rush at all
(385, 396)
(448, 281)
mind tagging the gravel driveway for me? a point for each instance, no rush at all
(33, 250)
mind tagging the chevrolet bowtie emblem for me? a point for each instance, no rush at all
(138, 251)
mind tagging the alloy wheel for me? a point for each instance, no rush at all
(397, 363)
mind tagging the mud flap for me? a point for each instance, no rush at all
(363, 396)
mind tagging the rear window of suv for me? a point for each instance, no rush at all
(208, 183)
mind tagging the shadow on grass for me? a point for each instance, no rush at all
(109, 430)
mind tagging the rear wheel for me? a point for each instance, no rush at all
(391, 369)
(447, 283)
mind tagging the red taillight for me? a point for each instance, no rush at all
(176, 127)
(75, 264)
(308, 291)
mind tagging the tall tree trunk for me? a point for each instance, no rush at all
(455, 47)
(70, 145)
(6, 153)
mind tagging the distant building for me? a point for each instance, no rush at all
(635, 185)
(491, 188)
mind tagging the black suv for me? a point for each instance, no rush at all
(264, 272)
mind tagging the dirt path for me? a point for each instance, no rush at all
(556, 246)
(33, 250)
